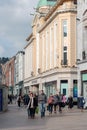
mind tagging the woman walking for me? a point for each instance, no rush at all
(70, 102)
(32, 105)
(50, 104)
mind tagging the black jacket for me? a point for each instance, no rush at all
(35, 103)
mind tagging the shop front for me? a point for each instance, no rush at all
(84, 84)
(35, 88)
(64, 87)
(35, 85)
(51, 87)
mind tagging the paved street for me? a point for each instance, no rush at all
(16, 119)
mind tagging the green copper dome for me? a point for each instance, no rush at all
(42, 3)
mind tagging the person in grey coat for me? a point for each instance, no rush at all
(42, 99)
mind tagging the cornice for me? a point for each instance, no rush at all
(57, 4)
(74, 10)
(52, 72)
(31, 39)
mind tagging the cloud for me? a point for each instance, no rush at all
(15, 24)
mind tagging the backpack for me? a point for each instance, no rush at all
(50, 100)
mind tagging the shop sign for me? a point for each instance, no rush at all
(34, 81)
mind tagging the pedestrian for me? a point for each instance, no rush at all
(70, 102)
(42, 99)
(81, 102)
(32, 105)
(26, 99)
(50, 104)
(19, 101)
(10, 99)
(60, 102)
(55, 102)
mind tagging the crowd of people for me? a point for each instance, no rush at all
(40, 103)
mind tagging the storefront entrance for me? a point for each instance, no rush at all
(51, 87)
(35, 88)
(64, 87)
(84, 84)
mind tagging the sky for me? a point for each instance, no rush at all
(15, 25)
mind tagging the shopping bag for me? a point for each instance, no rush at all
(37, 110)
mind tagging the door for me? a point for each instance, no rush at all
(49, 90)
(85, 89)
(64, 88)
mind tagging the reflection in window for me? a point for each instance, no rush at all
(65, 55)
(65, 28)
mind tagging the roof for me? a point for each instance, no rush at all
(42, 3)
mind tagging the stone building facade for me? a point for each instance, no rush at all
(19, 73)
(8, 74)
(82, 47)
(50, 53)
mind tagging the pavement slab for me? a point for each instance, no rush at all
(16, 119)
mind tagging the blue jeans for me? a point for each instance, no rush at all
(51, 108)
(42, 109)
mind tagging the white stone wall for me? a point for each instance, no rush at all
(28, 62)
(19, 67)
(82, 7)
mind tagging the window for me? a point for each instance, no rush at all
(52, 0)
(83, 55)
(65, 55)
(65, 28)
(75, 1)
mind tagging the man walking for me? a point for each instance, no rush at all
(42, 99)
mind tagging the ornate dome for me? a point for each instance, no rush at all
(42, 3)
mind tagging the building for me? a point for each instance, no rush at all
(3, 60)
(82, 46)
(50, 54)
(0, 73)
(8, 74)
(19, 72)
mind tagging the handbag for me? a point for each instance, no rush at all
(37, 110)
(62, 104)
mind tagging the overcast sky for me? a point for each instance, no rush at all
(15, 25)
